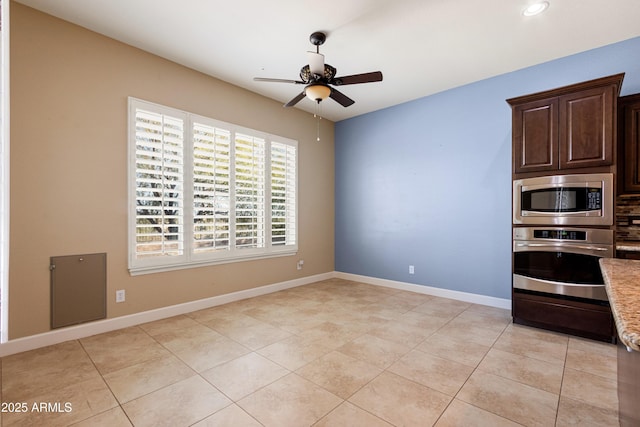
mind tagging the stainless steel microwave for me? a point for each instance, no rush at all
(580, 199)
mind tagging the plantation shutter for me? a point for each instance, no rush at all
(249, 191)
(205, 192)
(211, 188)
(159, 185)
(283, 194)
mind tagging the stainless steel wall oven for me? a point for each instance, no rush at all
(561, 261)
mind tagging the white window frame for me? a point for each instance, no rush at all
(191, 258)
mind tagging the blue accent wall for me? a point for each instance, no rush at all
(428, 182)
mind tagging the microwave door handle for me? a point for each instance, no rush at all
(548, 245)
(556, 213)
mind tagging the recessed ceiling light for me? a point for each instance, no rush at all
(536, 8)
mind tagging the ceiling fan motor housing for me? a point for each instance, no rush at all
(307, 77)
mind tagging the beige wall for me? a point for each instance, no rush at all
(69, 90)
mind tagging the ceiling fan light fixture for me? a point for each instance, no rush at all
(535, 8)
(317, 92)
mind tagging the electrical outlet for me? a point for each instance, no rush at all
(120, 297)
(300, 264)
(411, 269)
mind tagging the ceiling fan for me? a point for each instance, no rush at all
(319, 77)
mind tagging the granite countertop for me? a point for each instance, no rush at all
(622, 282)
(631, 246)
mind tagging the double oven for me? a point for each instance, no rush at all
(563, 225)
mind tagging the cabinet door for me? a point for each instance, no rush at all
(566, 316)
(586, 128)
(535, 136)
(631, 138)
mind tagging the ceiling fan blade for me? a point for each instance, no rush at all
(375, 76)
(316, 63)
(295, 100)
(341, 98)
(264, 79)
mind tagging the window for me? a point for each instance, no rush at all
(205, 192)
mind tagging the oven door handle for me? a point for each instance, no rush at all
(548, 245)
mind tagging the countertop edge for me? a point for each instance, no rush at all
(619, 276)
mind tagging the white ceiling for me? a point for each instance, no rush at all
(421, 46)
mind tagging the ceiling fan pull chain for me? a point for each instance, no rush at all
(318, 118)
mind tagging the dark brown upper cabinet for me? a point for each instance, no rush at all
(566, 128)
(629, 110)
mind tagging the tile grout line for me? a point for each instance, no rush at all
(564, 370)
(105, 383)
(467, 380)
(251, 351)
(196, 373)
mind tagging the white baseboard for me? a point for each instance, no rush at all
(101, 326)
(429, 290)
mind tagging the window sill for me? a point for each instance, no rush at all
(137, 271)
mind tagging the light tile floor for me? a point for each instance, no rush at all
(333, 353)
